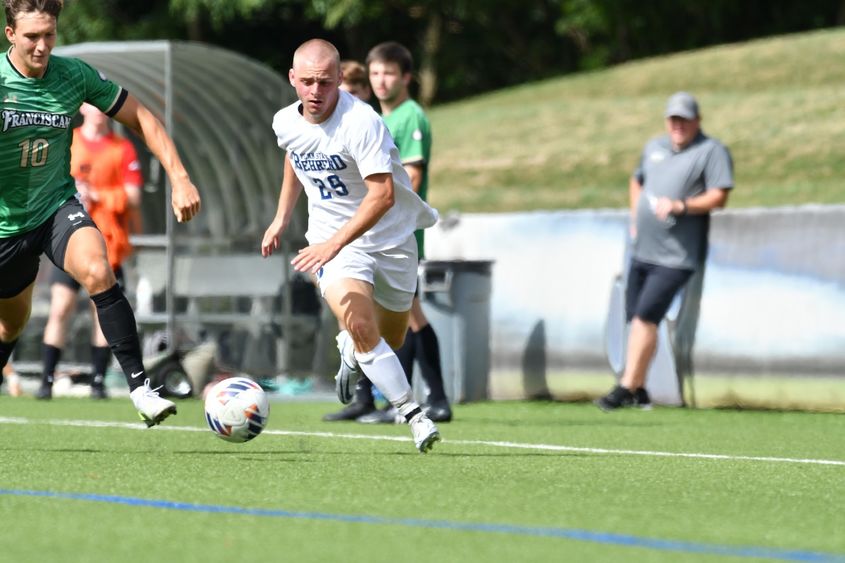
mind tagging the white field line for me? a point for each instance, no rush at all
(496, 444)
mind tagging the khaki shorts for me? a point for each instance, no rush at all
(392, 273)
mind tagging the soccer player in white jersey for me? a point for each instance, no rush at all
(362, 215)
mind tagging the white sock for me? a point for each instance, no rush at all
(382, 367)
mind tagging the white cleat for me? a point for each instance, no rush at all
(424, 431)
(152, 408)
(348, 373)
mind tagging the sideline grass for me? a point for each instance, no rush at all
(726, 502)
(817, 393)
(572, 142)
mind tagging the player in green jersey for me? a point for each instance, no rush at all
(39, 209)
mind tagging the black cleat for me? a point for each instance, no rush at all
(44, 393)
(98, 392)
(618, 397)
(350, 412)
(438, 411)
(642, 399)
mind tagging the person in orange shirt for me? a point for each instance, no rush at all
(108, 180)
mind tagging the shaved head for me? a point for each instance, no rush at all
(316, 51)
(316, 77)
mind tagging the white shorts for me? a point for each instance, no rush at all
(392, 273)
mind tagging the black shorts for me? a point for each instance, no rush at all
(651, 289)
(20, 254)
(59, 276)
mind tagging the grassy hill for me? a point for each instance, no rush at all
(572, 142)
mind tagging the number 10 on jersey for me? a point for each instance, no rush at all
(34, 153)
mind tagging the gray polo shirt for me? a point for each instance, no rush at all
(679, 242)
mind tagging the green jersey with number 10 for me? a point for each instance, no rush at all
(35, 137)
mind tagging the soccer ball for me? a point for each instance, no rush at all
(237, 409)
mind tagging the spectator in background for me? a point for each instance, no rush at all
(108, 180)
(362, 214)
(355, 80)
(681, 178)
(390, 69)
(39, 210)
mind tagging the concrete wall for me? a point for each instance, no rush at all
(773, 300)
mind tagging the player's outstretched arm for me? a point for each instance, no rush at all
(291, 189)
(185, 198)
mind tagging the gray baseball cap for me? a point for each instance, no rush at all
(682, 104)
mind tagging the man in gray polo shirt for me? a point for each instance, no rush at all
(682, 177)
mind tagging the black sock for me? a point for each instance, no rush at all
(50, 356)
(364, 391)
(118, 324)
(406, 355)
(6, 349)
(428, 357)
(100, 356)
(6, 353)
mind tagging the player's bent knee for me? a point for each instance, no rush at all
(10, 329)
(97, 277)
(57, 319)
(364, 334)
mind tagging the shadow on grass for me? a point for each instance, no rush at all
(257, 455)
(266, 455)
(301, 456)
(510, 454)
(26, 448)
(112, 451)
(606, 420)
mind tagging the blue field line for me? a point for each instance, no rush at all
(606, 538)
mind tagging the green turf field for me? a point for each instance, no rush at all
(512, 481)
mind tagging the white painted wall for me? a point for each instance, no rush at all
(774, 291)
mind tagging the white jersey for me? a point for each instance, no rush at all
(331, 160)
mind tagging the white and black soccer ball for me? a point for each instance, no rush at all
(236, 409)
